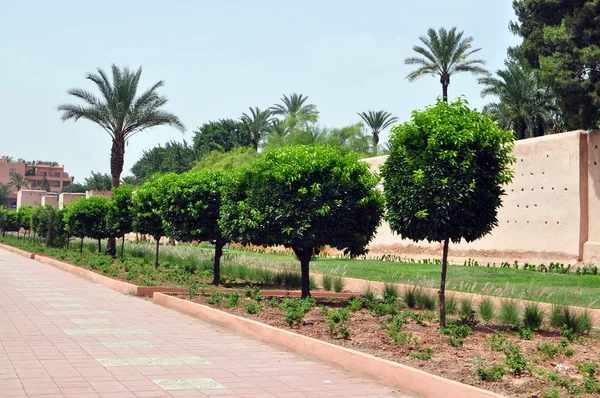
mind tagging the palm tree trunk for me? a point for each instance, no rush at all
(117, 158)
(442, 292)
(445, 92)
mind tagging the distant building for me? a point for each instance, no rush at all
(34, 173)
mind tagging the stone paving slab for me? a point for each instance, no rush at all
(151, 351)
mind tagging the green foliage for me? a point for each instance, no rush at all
(222, 135)
(49, 223)
(327, 282)
(490, 372)
(445, 174)
(498, 341)
(73, 188)
(486, 309)
(25, 213)
(294, 310)
(533, 317)
(509, 313)
(425, 300)
(550, 393)
(258, 123)
(98, 182)
(423, 355)
(121, 211)
(234, 299)
(391, 292)
(526, 333)
(338, 284)
(560, 41)
(304, 198)
(577, 321)
(335, 323)
(377, 122)
(9, 220)
(87, 218)
(174, 157)
(456, 334)
(515, 360)
(410, 297)
(146, 202)
(252, 307)
(221, 160)
(451, 305)
(215, 298)
(466, 307)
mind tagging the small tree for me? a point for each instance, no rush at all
(9, 222)
(25, 213)
(46, 221)
(190, 208)
(147, 218)
(119, 220)
(304, 197)
(87, 217)
(444, 176)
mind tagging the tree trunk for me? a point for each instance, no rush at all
(68, 242)
(375, 140)
(217, 267)
(445, 92)
(442, 292)
(117, 158)
(99, 246)
(49, 237)
(81, 246)
(157, 243)
(122, 246)
(304, 254)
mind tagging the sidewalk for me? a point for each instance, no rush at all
(61, 336)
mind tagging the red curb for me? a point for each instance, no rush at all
(148, 291)
(387, 372)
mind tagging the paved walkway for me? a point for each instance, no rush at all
(62, 336)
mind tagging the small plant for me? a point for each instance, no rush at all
(215, 298)
(486, 309)
(394, 327)
(252, 307)
(192, 289)
(466, 307)
(368, 294)
(381, 308)
(509, 312)
(526, 333)
(548, 349)
(551, 393)
(390, 292)
(234, 299)
(248, 291)
(257, 294)
(424, 355)
(451, 305)
(533, 317)
(498, 341)
(272, 303)
(327, 282)
(294, 309)
(487, 372)
(410, 297)
(456, 334)
(335, 323)
(338, 284)
(515, 360)
(425, 300)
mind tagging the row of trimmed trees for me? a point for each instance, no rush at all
(443, 182)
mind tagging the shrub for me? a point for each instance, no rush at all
(368, 294)
(424, 355)
(338, 284)
(327, 282)
(579, 322)
(551, 393)
(533, 316)
(410, 297)
(425, 300)
(548, 349)
(492, 373)
(355, 304)
(390, 292)
(234, 299)
(498, 341)
(272, 303)
(294, 309)
(466, 307)
(515, 360)
(394, 326)
(335, 323)
(381, 308)
(526, 333)
(215, 298)
(252, 307)
(486, 309)
(509, 312)
(456, 334)
(451, 305)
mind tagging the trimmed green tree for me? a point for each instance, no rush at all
(9, 222)
(304, 197)
(87, 218)
(119, 219)
(147, 218)
(47, 222)
(444, 178)
(190, 208)
(25, 213)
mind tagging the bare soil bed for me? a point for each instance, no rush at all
(545, 377)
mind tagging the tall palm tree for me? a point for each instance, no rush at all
(121, 113)
(295, 110)
(377, 122)
(526, 105)
(444, 54)
(258, 123)
(18, 182)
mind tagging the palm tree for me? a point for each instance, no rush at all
(258, 123)
(17, 181)
(377, 122)
(120, 113)
(526, 106)
(5, 192)
(444, 54)
(294, 110)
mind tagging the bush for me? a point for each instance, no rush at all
(549, 350)
(486, 309)
(335, 323)
(327, 282)
(466, 307)
(425, 300)
(526, 333)
(533, 316)
(234, 299)
(579, 322)
(451, 305)
(509, 312)
(338, 284)
(515, 360)
(456, 334)
(390, 292)
(493, 373)
(410, 297)
(294, 309)
(424, 355)
(498, 341)
(252, 307)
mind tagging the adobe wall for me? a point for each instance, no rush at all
(29, 197)
(66, 198)
(50, 200)
(106, 194)
(544, 214)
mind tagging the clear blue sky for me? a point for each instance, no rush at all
(217, 58)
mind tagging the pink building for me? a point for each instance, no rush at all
(34, 173)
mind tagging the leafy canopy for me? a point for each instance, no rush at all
(444, 177)
(98, 182)
(224, 135)
(304, 197)
(174, 157)
(121, 211)
(87, 218)
(220, 160)
(146, 202)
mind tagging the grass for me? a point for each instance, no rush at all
(570, 289)
(509, 313)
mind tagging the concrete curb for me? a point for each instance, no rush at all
(18, 251)
(388, 372)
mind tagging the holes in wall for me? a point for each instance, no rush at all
(547, 156)
(595, 163)
(522, 189)
(565, 189)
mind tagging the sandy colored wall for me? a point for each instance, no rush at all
(106, 194)
(66, 198)
(50, 200)
(545, 209)
(27, 197)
